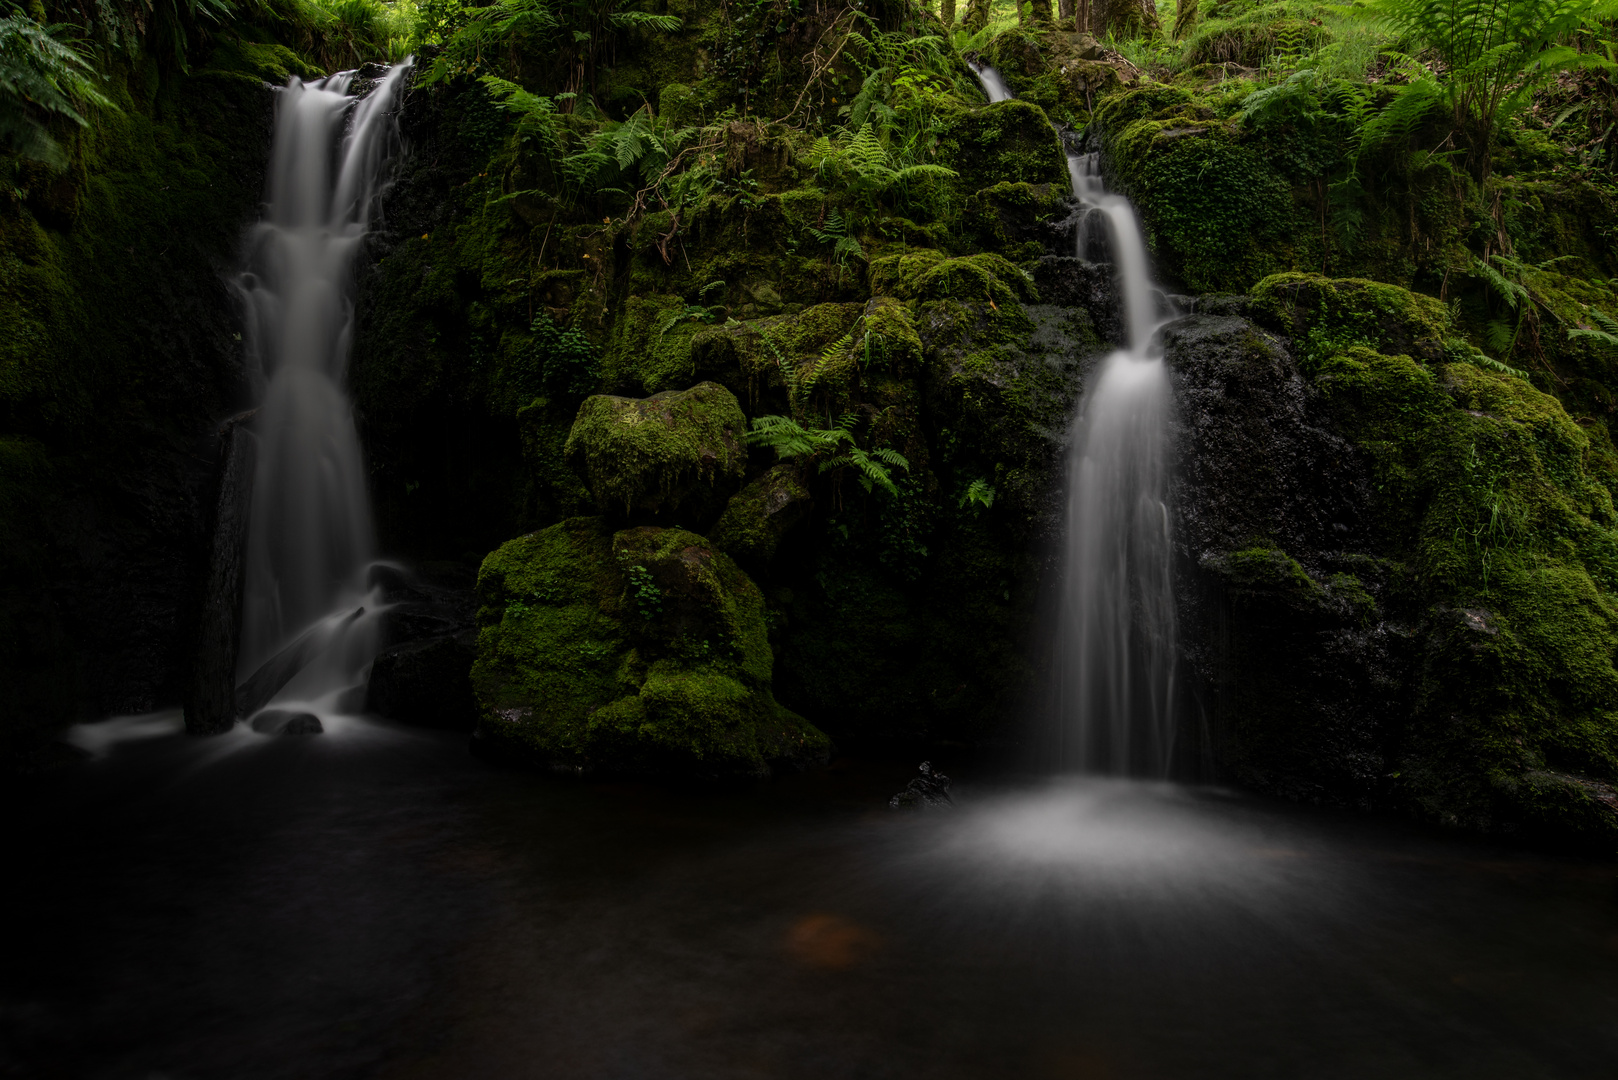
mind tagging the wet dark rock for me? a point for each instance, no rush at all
(1297, 669)
(210, 700)
(287, 722)
(427, 683)
(257, 690)
(1069, 282)
(929, 791)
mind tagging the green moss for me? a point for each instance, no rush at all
(651, 346)
(1217, 212)
(931, 275)
(643, 652)
(678, 454)
(758, 516)
(1483, 486)
(1325, 315)
(1008, 142)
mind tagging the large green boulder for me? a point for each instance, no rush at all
(675, 457)
(638, 652)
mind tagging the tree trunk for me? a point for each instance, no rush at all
(946, 13)
(1039, 12)
(1185, 18)
(1121, 18)
(977, 16)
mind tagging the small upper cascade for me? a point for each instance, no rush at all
(993, 84)
(310, 539)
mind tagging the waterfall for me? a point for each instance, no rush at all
(1113, 678)
(1115, 660)
(309, 622)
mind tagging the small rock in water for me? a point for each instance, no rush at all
(287, 722)
(929, 791)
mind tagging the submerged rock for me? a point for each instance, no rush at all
(637, 652)
(287, 722)
(929, 791)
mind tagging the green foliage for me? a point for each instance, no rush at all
(1494, 53)
(979, 495)
(834, 448)
(560, 359)
(480, 41)
(643, 591)
(862, 165)
(43, 76)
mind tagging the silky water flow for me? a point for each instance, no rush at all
(310, 618)
(1115, 661)
(1113, 668)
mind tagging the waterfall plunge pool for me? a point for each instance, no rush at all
(379, 903)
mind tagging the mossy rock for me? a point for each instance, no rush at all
(641, 652)
(1217, 211)
(678, 455)
(752, 357)
(760, 515)
(1007, 142)
(1483, 486)
(932, 275)
(1325, 314)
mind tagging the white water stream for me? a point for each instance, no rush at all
(310, 540)
(1114, 669)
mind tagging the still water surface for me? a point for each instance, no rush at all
(379, 903)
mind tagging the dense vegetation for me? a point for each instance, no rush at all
(1410, 207)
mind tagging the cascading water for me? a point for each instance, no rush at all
(1114, 664)
(309, 623)
(1115, 668)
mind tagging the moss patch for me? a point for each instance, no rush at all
(640, 652)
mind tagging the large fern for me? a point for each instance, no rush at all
(832, 448)
(42, 77)
(1494, 53)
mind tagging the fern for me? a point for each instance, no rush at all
(1605, 331)
(42, 76)
(1494, 53)
(835, 447)
(979, 495)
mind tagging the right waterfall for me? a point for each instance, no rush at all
(1114, 664)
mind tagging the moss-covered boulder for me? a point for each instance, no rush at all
(1406, 584)
(675, 456)
(1322, 314)
(761, 514)
(641, 652)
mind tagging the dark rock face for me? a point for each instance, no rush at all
(1296, 672)
(210, 705)
(427, 683)
(423, 674)
(119, 311)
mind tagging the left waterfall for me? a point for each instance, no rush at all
(309, 623)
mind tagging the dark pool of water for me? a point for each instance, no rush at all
(379, 903)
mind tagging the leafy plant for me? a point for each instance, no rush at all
(1494, 53)
(42, 77)
(1605, 331)
(643, 591)
(979, 495)
(833, 448)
